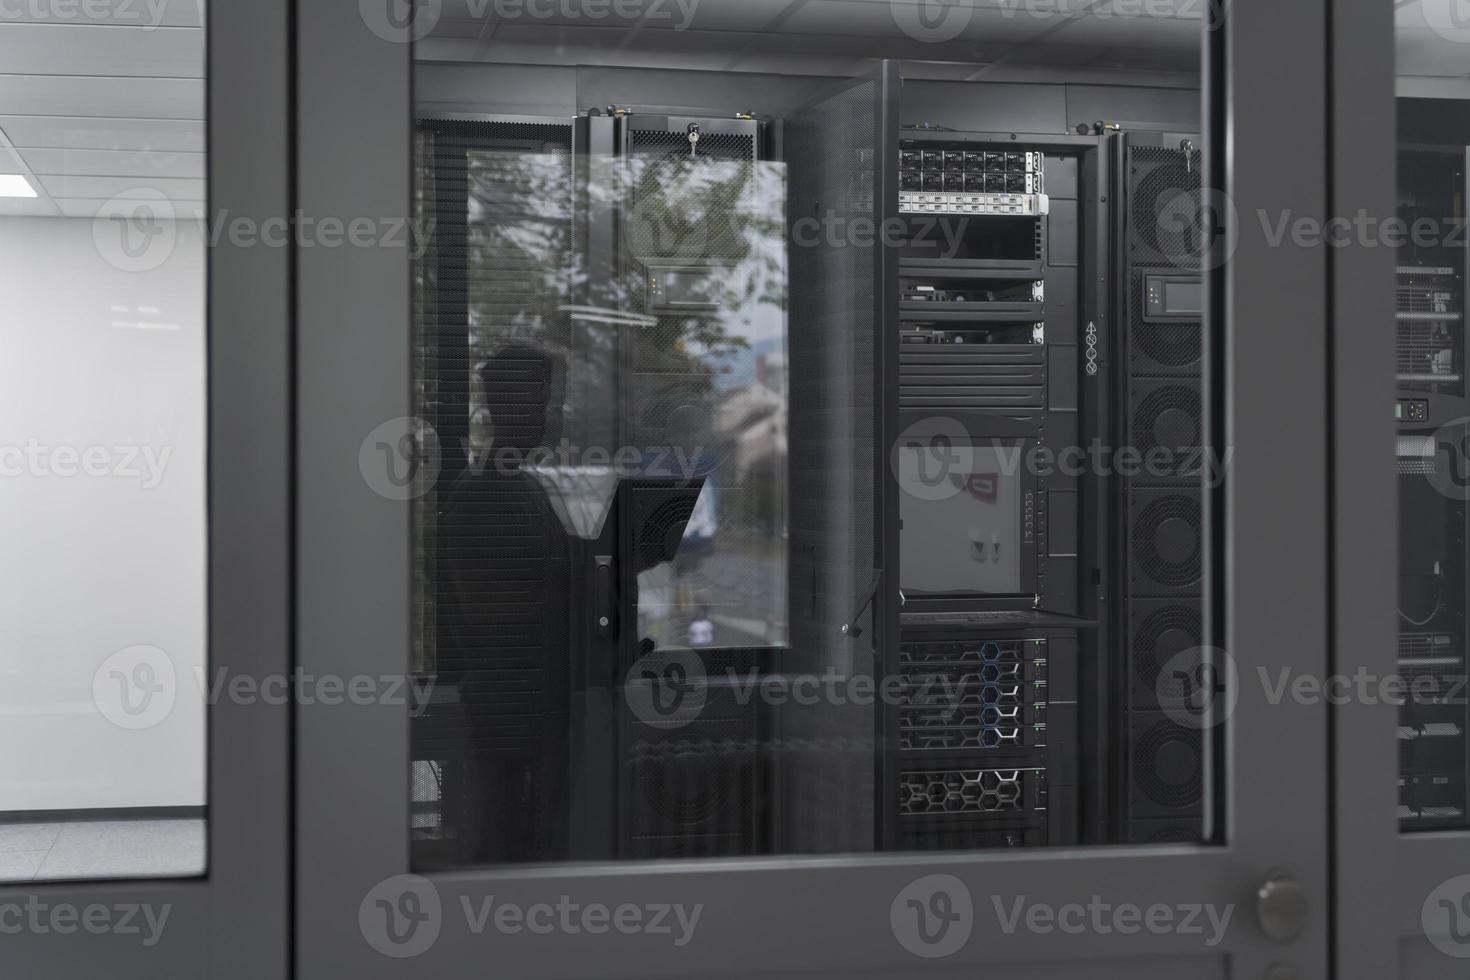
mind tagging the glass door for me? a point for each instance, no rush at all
(803, 457)
(1405, 265)
(145, 488)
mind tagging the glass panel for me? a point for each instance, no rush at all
(1434, 432)
(103, 442)
(807, 477)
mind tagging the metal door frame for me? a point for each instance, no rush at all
(1383, 878)
(828, 915)
(234, 922)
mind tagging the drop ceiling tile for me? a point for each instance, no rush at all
(115, 163)
(46, 49)
(174, 188)
(70, 95)
(10, 162)
(96, 133)
(119, 13)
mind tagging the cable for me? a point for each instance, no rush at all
(1438, 601)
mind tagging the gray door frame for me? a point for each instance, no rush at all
(1375, 863)
(234, 922)
(1364, 559)
(826, 916)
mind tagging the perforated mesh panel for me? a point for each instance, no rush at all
(1166, 207)
(1168, 765)
(961, 791)
(1167, 541)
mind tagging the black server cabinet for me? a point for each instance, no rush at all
(1001, 566)
(1160, 539)
(1434, 486)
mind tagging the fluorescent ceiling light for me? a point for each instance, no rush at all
(15, 185)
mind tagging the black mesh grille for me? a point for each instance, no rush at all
(1167, 540)
(1164, 633)
(1168, 765)
(1169, 416)
(1166, 210)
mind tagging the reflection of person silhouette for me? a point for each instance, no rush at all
(506, 655)
(702, 630)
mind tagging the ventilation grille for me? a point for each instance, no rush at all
(961, 791)
(1161, 635)
(1417, 298)
(1168, 417)
(1161, 348)
(1168, 765)
(1166, 207)
(963, 697)
(1425, 351)
(1167, 542)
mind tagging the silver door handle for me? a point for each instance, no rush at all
(1281, 908)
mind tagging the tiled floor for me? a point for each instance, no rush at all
(81, 849)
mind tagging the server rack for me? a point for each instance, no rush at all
(1432, 450)
(1001, 355)
(1001, 324)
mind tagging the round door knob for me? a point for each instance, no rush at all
(1281, 908)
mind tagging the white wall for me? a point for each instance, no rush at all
(103, 362)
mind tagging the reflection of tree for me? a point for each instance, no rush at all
(636, 376)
